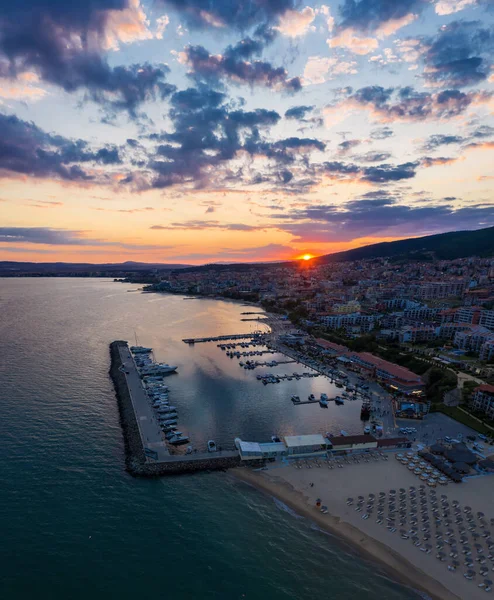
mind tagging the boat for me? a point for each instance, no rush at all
(343, 433)
(338, 384)
(172, 434)
(275, 439)
(367, 429)
(324, 396)
(365, 411)
(158, 369)
(295, 399)
(312, 397)
(179, 439)
(211, 446)
(140, 350)
(339, 400)
(189, 450)
(323, 402)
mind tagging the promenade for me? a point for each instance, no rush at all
(149, 428)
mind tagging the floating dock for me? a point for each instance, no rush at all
(221, 338)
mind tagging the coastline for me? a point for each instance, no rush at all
(395, 565)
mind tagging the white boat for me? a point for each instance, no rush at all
(211, 446)
(179, 439)
(158, 369)
(295, 399)
(367, 429)
(344, 433)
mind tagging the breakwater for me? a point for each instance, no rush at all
(136, 462)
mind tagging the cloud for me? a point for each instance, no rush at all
(356, 44)
(348, 145)
(406, 104)
(298, 112)
(295, 23)
(380, 174)
(269, 252)
(448, 7)
(240, 15)
(379, 215)
(198, 225)
(28, 150)
(234, 66)
(382, 133)
(65, 46)
(461, 54)
(43, 235)
(434, 141)
(319, 69)
(386, 16)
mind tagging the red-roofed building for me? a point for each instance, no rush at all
(395, 376)
(483, 399)
(331, 347)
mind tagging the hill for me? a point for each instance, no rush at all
(444, 246)
(12, 268)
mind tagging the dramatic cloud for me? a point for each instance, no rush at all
(384, 15)
(234, 66)
(65, 46)
(461, 54)
(434, 141)
(240, 15)
(28, 150)
(406, 104)
(382, 174)
(379, 214)
(448, 7)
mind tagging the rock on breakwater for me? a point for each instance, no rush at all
(135, 458)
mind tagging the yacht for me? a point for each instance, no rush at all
(295, 399)
(179, 439)
(158, 369)
(312, 397)
(211, 446)
(339, 400)
(172, 434)
(324, 396)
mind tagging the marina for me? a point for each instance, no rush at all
(220, 338)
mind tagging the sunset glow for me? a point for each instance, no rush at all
(161, 132)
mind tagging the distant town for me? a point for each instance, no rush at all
(426, 329)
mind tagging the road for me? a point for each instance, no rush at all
(151, 434)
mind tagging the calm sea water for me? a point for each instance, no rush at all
(75, 525)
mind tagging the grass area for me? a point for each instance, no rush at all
(462, 417)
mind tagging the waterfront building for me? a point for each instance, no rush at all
(398, 378)
(306, 445)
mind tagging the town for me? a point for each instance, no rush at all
(423, 328)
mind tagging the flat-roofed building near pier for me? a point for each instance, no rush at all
(306, 445)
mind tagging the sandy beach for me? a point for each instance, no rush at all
(399, 557)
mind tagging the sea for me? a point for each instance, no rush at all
(76, 525)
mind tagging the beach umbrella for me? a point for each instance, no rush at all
(492, 521)
(471, 573)
(487, 582)
(467, 509)
(480, 514)
(361, 498)
(455, 563)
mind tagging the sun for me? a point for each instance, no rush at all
(306, 256)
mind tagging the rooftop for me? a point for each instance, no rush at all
(394, 370)
(485, 387)
(305, 440)
(343, 440)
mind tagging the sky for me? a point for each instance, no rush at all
(193, 131)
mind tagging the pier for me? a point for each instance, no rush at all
(146, 453)
(221, 338)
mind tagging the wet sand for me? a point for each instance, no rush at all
(400, 558)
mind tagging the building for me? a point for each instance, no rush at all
(487, 319)
(412, 335)
(398, 378)
(256, 451)
(483, 400)
(487, 351)
(436, 289)
(468, 314)
(473, 339)
(353, 442)
(306, 445)
(331, 347)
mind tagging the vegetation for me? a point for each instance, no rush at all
(445, 246)
(438, 382)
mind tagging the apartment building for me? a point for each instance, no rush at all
(473, 339)
(483, 400)
(468, 314)
(412, 335)
(487, 319)
(436, 289)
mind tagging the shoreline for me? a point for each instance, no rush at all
(392, 563)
